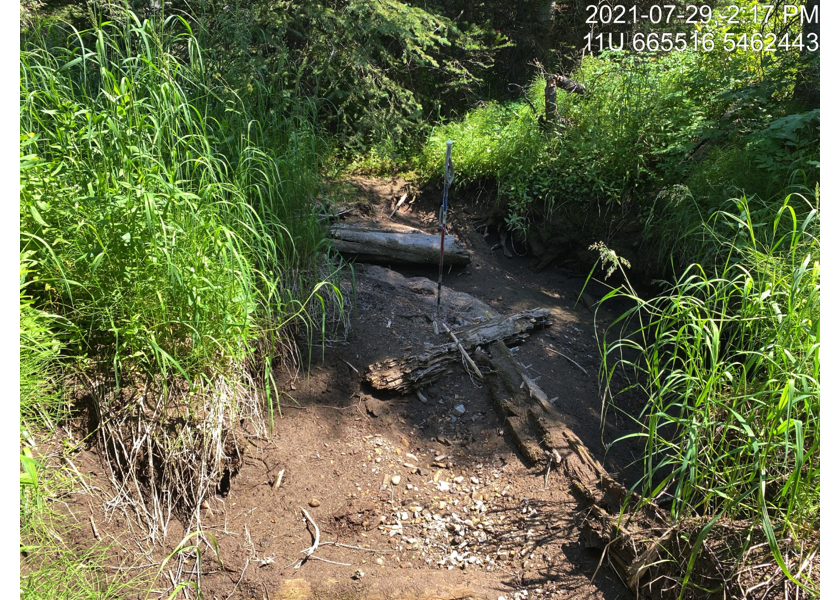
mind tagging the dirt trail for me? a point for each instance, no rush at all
(429, 500)
(444, 502)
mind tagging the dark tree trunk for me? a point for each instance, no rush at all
(807, 88)
(552, 117)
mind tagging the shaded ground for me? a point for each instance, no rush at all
(446, 501)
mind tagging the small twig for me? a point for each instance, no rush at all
(351, 366)
(340, 545)
(332, 562)
(601, 561)
(309, 551)
(279, 479)
(464, 354)
(569, 359)
(396, 208)
(247, 562)
(93, 526)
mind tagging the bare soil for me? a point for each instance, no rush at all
(426, 502)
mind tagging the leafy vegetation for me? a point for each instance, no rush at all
(179, 252)
(374, 72)
(171, 246)
(728, 355)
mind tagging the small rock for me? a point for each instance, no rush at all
(458, 479)
(474, 480)
(395, 480)
(375, 408)
(380, 561)
(358, 574)
(314, 503)
(459, 410)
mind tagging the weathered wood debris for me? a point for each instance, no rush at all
(634, 541)
(396, 244)
(415, 371)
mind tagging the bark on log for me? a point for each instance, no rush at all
(397, 245)
(417, 370)
(551, 99)
(574, 87)
(635, 540)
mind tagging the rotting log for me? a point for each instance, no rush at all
(634, 540)
(396, 245)
(417, 370)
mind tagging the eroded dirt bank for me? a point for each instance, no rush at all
(418, 498)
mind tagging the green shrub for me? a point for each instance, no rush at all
(161, 228)
(728, 356)
(180, 251)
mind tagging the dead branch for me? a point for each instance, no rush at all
(317, 538)
(415, 371)
(464, 354)
(569, 359)
(396, 245)
(397, 207)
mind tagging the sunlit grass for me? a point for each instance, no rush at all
(173, 234)
(728, 357)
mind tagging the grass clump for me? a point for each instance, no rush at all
(180, 251)
(647, 124)
(41, 403)
(728, 356)
(52, 565)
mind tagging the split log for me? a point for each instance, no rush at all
(397, 245)
(417, 370)
(635, 540)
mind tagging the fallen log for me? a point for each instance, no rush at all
(636, 540)
(417, 370)
(396, 245)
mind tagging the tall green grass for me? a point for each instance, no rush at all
(728, 357)
(161, 227)
(41, 403)
(174, 234)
